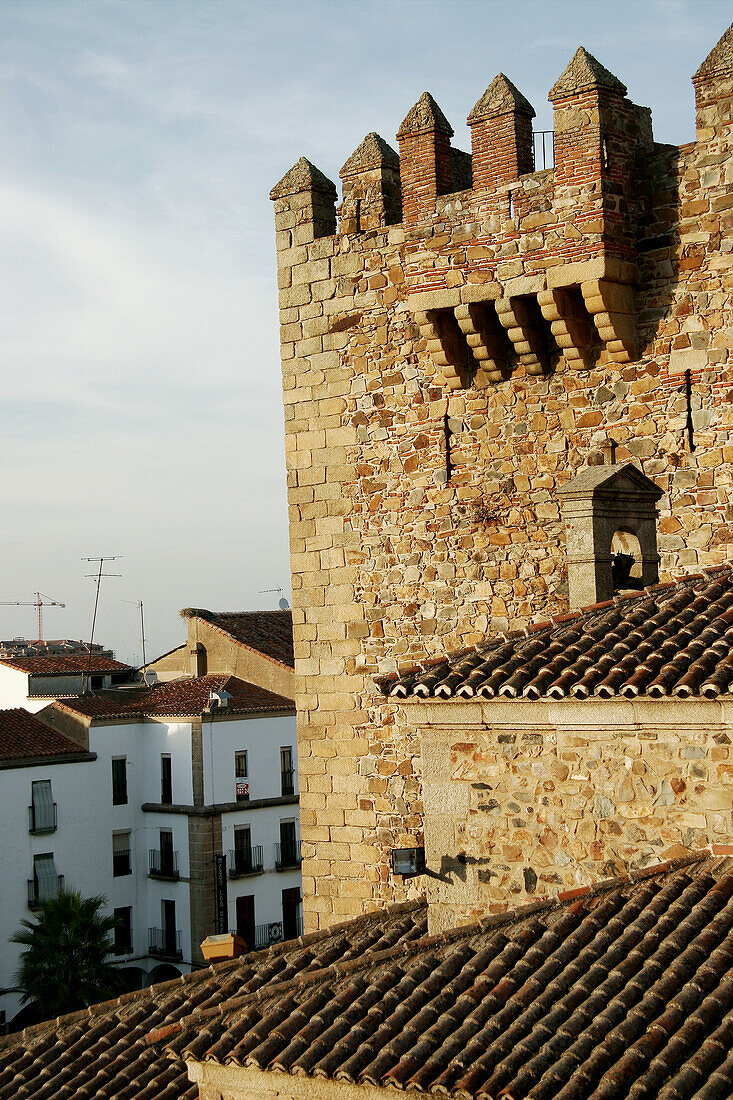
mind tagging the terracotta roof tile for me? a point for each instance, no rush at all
(62, 664)
(177, 698)
(669, 640)
(613, 995)
(269, 632)
(23, 737)
(625, 992)
(63, 1058)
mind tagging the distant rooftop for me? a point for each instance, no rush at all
(269, 632)
(59, 664)
(23, 737)
(23, 647)
(178, 698)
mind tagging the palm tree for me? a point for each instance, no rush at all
(65, 963)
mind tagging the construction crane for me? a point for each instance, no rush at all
(39, 603)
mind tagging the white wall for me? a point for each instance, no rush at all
(14, 690)
(262, 738)
(78, 854)
(82, 844)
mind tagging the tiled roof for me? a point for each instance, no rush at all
(23, 737)
(269, 632)
(61, 664)
(177, 698)
(103, 1051)
(622, 991)
(673, 639)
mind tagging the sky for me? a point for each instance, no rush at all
(140, 402)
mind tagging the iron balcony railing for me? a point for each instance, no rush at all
(287, 855)
(246, 861)
(543, 149)
(265, 934)
(165, 943)
(162, 864)
(33, 899)
(288, 781)
(37, 825)
(121, 864)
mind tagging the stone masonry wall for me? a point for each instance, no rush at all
(443, 376)
(545, 797)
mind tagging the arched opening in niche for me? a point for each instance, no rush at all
(626, 561)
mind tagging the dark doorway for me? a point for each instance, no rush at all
(246, 919)
(292, 925)
(168, 913)
(166, 852)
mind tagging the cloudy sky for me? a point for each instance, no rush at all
(138, 330)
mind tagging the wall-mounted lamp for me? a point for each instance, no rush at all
(408, 861)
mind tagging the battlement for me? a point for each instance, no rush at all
(506, 266)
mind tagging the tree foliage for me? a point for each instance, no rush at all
(65, 965)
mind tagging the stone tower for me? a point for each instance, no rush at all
(469, 336)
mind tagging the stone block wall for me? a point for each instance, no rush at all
(445, 374)
(544, 797)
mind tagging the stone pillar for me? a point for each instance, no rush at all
(204, 843)
(371, 183)
(501, 135)
(598, 502)
(425, 158)
(305, 205)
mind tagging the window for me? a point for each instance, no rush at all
(166, 782)
(119, 781)
(286, 771)
(43, 807)
(46, 881)
(287, 850)
(166, 852)
(123, 930)
(241, 774)
(121, 854)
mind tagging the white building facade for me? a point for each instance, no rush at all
(163, 787)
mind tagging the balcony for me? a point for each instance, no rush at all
(265, 934)
(287, 781)
(33, 899)
(287, 856)
(121, 864)
(247, 861)
(163, 864)
(44, 822)
(165, 943)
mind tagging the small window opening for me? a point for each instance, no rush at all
(511, 204)
(626, 564)
(357, 216)
(605, 156)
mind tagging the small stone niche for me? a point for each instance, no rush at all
(610, 521)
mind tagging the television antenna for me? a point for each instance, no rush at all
(98, 577)
(282, 603)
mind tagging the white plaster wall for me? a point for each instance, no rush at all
(14, 690)
(79, 854)
(142, 744)
(262, 738)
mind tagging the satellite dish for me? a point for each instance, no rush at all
(283, 604)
